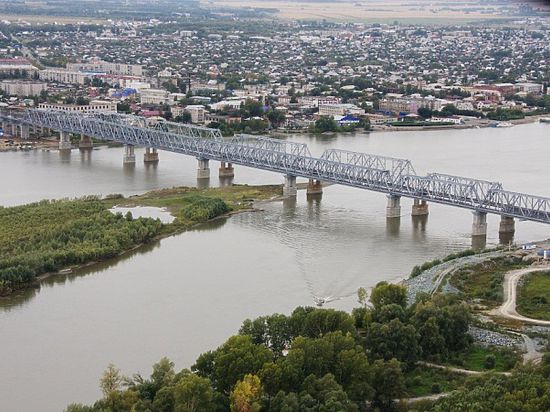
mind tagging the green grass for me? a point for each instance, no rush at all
(534, 296)
(475, 358)
(424, 380)
(483, 281)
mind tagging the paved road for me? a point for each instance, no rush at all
(508, 308)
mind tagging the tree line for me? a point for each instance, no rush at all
(50, 235)
(311, 360)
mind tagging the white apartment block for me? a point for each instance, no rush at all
(100, 66)
(62, 76)
(197, 113)
(95, 106)
(23, 88)
(155, 96)
(339, 109)
(230, 104)
(317, 101)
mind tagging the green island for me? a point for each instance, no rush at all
(52, 235)
(534, 296)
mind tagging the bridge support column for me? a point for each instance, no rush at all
(25, 131)
(479, 225)
(314, 188)
(420, 208)
(507, 225)
(393, 209)
(64, 141)
(203, 171)
(506, 230)
(129, 154)
(85, 143)
(226, 170)
(151, 155)
(289, 187)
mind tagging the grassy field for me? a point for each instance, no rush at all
(39, 18)
(423, 380)
(419, 12)
(475, 359)
(533, 298)
(483, 281)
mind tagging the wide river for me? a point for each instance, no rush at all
(188, 293)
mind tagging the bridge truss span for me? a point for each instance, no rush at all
(392, 176)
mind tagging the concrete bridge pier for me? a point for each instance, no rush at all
(226, 170)
(151, 155)
(85, 143)
(314, 188)
(25, 131)
(479, 225)
(203, 170)
(420, 208)
(506, 229)
(64, 141)
(129, 154)
(289, 187)
(393, 209)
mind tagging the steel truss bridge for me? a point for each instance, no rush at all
(395, 177)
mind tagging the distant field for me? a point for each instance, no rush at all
(30, 18)
(419, 11)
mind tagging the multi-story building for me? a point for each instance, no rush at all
(155, 96)
(15, 65)
(63, 76)
(227, 104)
(100, 66)
(529, 87)
(95, 106)
(197, 113)
(317, 101)
(23, 87)
(341, 109)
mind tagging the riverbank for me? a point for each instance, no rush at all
(55, 237)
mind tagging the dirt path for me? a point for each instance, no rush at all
(508, 308)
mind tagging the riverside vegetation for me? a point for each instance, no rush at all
(50, 235)
(315, 359)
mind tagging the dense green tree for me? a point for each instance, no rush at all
(393, 340)
(272, 331)
(325, 124)
(232, 361)
(388, 383)
(193, 393)
(385, 293)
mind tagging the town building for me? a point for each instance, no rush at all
(155, 97)
(16, 65)
(100, 66)
(65, 76)
(95, 106)
(23, 88)
(341, 109)
(197, 113)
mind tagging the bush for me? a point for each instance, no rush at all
(436, 388)
(489, 362)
